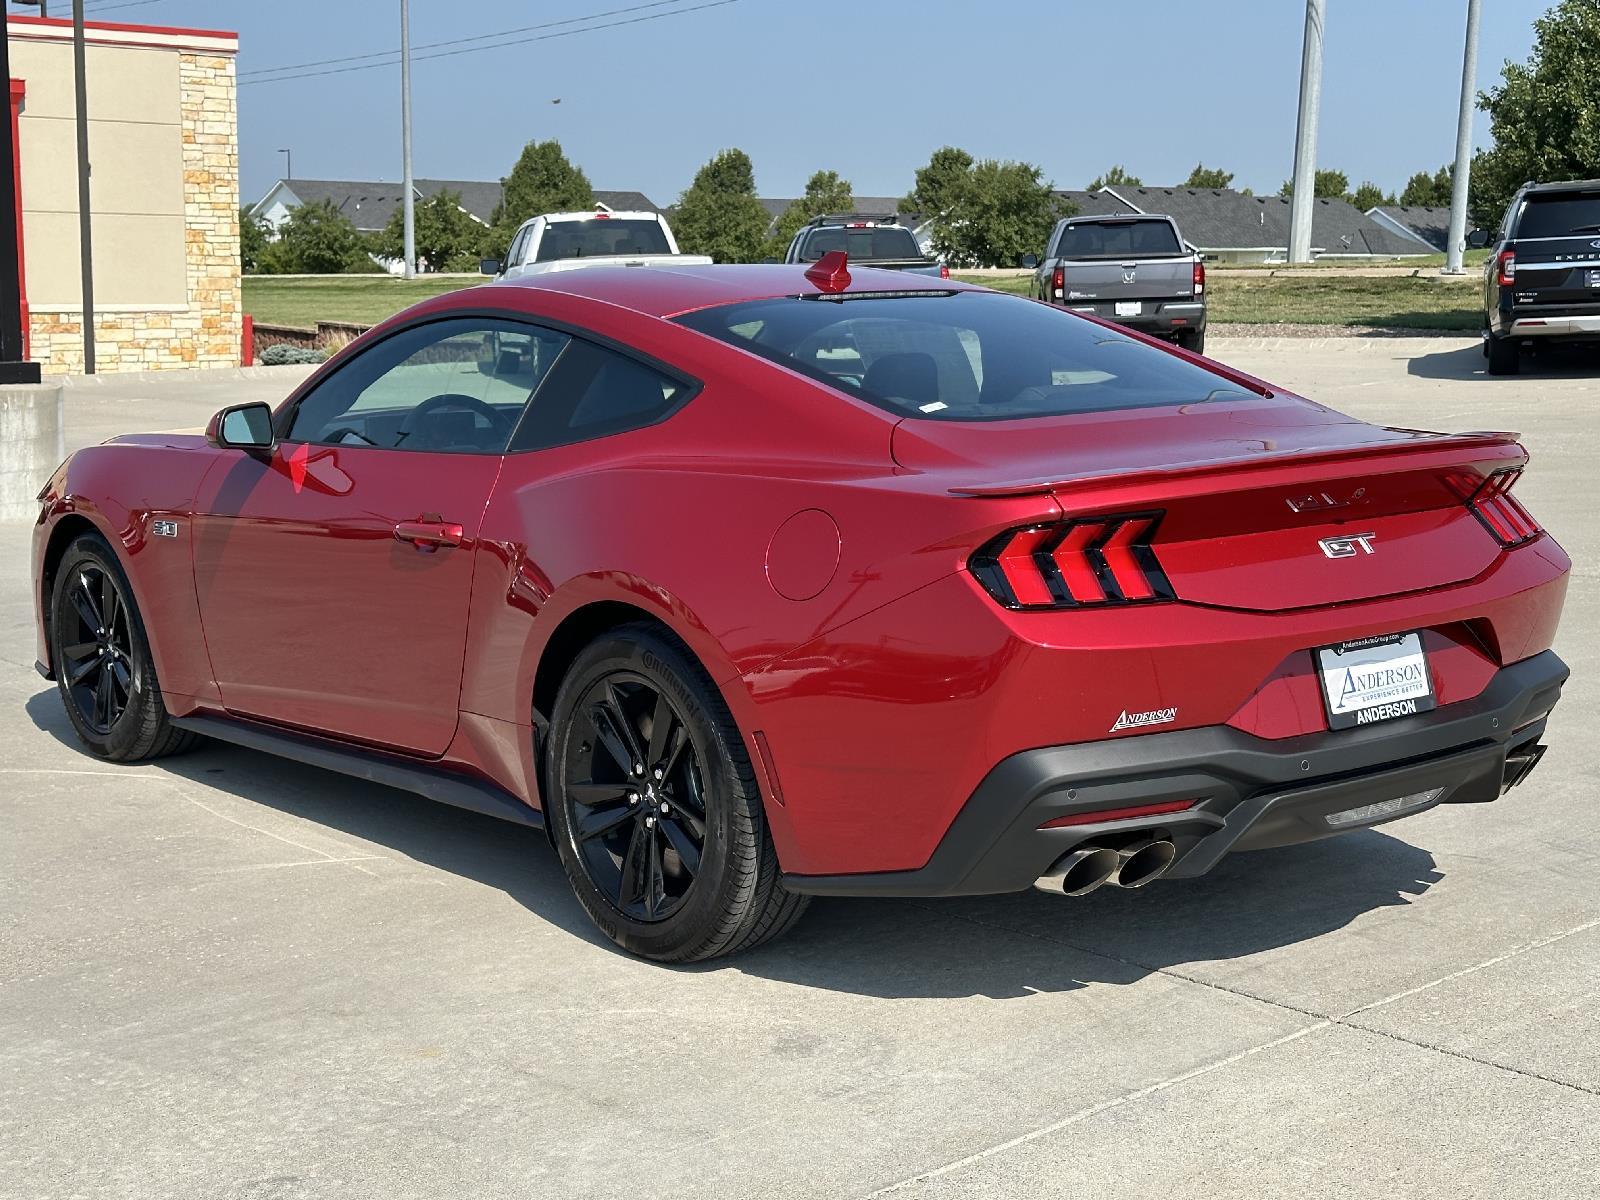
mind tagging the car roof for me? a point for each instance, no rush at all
(667, 291)
(1565, 185)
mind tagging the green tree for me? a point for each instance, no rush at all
(1369, 195)
(541, 181)
(447, 238)
(1545, 113)
(719, 214)
(1429, 191)
(826, 192)
(316, 239)
(1208, 177)
(1117, 177)
(1002, 211)
(253, 241)
(1329, 185)
(938, 186)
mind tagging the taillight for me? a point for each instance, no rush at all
(1501, 513)
(944, 271)
(1506, 268)
(1199, 278)
(1070, 564)
(1058, 282)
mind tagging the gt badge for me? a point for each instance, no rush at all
(1348, 546)
(164, 528)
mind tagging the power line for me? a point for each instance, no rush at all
(100, 8)
(482, 37)
(544, 37)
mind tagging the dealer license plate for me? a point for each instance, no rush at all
(1129, 308)
(1375, 679)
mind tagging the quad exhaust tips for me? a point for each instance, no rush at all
(1143, 862)
(1080, 871)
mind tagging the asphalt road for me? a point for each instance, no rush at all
(226, 975)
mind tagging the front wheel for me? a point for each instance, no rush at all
(103, 667)
(654, 805)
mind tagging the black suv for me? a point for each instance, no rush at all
(1543, 280)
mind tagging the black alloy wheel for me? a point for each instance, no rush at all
(636, 797)
(97, 648)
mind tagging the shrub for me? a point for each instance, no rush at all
(283, 355)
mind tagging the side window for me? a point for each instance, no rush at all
(518, 245)
(458, 385)
(594, 392)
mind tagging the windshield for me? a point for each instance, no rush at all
(1117, 239)
(961, 356)
(1560, 214)
(600, 236)
(877, 241)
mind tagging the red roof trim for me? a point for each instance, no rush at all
(120, 27)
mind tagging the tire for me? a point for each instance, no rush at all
(1505, 357)
(685, 870)
(1193, 340)
(103, 667)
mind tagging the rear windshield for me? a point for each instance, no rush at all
(1117, 239)
(601, 235)
(888, 241)
(1560, 215)
(961, 356)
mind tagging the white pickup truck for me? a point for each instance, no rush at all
(569, 241)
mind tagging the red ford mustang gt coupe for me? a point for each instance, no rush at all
(750, 584)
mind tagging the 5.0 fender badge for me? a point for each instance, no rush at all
(164, 528)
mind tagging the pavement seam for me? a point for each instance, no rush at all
(1095, 1110)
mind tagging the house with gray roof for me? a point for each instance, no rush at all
(370, 203)
(1426, 223)
(1229, 226)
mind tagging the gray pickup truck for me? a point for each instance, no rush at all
(1134, 270)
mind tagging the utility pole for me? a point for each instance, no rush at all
(1302, 204)
(13, 369)
(85, 242)
(1460, 176)
(405, 135)
(288, 162)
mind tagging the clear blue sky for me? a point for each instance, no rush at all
(866, 87)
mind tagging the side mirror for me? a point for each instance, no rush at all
(1478, 239)
(1028, 262)
(488, 266)
(243, 427)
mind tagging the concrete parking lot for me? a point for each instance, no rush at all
(227, 975)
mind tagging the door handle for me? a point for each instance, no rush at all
(429, 534)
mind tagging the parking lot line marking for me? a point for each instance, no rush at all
(79, 771)
(1083, 1114)
(305, 862)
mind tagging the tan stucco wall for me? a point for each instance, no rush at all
(164, 148)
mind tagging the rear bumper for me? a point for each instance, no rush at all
(1547, 327)
(1250, 792)
(1159, 316)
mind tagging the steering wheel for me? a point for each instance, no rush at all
(498, 422)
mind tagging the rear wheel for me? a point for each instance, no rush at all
(103, 667)
(1193, 340)
(655, 808)
(1505, 356)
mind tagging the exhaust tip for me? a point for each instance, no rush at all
(1079, 871)
(1142, 863)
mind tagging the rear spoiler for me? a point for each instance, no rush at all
(1420, 450)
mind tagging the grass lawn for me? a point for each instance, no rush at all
(1403, 301)
(360, 299)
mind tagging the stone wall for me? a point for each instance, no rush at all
(207, 332)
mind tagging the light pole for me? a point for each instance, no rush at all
(1460, 176)
(405, 139)
(1302, 203)
(288, 162)
(85, 245)
(13, 368)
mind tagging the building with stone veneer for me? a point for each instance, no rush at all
(164, 148)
